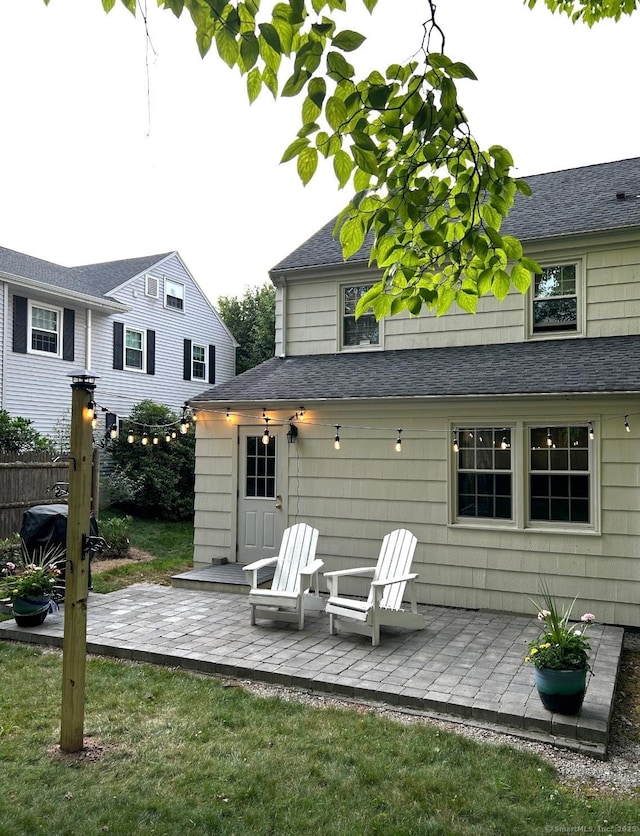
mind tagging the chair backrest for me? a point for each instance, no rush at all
(298, 548)
(394, 561)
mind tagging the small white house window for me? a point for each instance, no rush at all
(44, 329)
(198, 362)
(151, 286)
(555, 300)
(133, 349)
(364, 331)
(173, 295)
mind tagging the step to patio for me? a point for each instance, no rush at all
(223, 577)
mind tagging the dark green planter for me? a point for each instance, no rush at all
(561, 691)
(29, 612)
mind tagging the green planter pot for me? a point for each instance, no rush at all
(561, 691)
(29, 612)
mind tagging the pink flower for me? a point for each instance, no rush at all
(10, 565)
(543, 614)
(588, 617)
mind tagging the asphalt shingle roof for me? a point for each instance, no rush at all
(570, 202)
(90, 279)
(599, 365)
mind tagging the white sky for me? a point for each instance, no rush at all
(92, 169)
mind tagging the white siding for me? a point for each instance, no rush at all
(356, 495)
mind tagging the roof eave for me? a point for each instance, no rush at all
(93, 302)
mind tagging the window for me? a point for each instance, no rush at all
(357, 332)
(484, 479)
(559, 476)
(555, 300)
(44, 329)
(134, 349)
(173, 295)
(198, 362)
(261, 468)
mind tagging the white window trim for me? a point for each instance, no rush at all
(520, 481)
(59, 315)
(341, 316)
(579, 331)
(144, 349)
(168, 281)
(206, 362)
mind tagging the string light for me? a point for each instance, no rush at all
(156, 439)
(228, 414)
(456, 446)
(626, 424)
(399, 441)
(336, 440)
(113, 432)
(265, 435)
(549, 439)
(91, 410)
(131, 438)
(301, 412)
(503, 443)
(145, 439)
(167, 438)
(592, 434)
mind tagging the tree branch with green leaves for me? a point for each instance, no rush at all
(427, 201)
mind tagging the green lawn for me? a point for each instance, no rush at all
(183, 754)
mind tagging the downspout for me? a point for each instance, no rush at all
(88, 337)
(5, 343)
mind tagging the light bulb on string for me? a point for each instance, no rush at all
(503, 443)
(113, 432)
(94, 421)
(336, 440)
(145, 439)
(91, 410)
(167, 437)
(399, 441)
(592, 434)
(156, 439)
(549, 439)
(265, 435)
(174, 435)
(301, 412)
(131, 438)
(626, 424)
(228, 414)
(456, 446)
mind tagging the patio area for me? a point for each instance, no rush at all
(463, 665)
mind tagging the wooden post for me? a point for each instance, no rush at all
(74, 649)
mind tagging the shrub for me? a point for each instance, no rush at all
(17, 435)
(116, 532)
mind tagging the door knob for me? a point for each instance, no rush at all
(279, 502)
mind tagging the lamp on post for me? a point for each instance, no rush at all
(74, 652)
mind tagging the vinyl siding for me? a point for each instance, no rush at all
(310, 315)
(358, 494)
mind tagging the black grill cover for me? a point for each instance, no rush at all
(45, 525)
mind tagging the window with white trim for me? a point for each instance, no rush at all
(173, 295)
(45, 329)
(364, 331)
(134, 349)
(559, 474)
(198, 362)
(484, 481)
(555, 300)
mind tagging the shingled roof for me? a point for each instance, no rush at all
(598, 365)
(576, 201)
(90, 279)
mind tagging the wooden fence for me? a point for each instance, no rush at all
(27, 480)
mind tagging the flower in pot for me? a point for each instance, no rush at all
(27, 584)
(560, 656)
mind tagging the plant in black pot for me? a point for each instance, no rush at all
(27, 584)
(560, 656)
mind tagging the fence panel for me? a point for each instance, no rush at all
(26, 480)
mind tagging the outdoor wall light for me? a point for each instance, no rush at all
(292, 435)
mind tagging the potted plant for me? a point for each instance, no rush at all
(560, 656)
(27, 584)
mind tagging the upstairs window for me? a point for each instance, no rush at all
(44, 329)
(134, 349)
(173, 295)
(555, 300)
(360, 332)
(198, 362)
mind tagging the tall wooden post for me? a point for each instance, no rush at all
(74, 649)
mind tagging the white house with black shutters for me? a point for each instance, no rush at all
(508, 441)
(143, 325)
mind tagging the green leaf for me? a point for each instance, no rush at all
(295, 83)
(270, 80)
(254, 84)
(467, 301)
(310, 111)
(531, 265)
(521, 278)
(446, 298)
(460, 70)
(500, 285)
(523, 187)
(249, 51)
(351, 237)
(449, 94)
(270, 35)
(367, 299)
(307, 163)
(490, 216)
(317, 90)
(336, 112)
(343, 167)
(366, 160)
(512, 247)
(294, 149)
(370, 4)
(347, 40)
(227, 46)
(338, 67)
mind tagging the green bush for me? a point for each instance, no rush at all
(17, 435)
(116, 532)
(157, 480)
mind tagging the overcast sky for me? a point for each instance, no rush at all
(101, 162)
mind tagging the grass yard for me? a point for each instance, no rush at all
(172, 752)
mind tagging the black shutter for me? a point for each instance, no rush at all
(186, 361)
(151, 352)
(212, 364)
(110, 421)
(20, 324)
(118, 340)
(68, 334)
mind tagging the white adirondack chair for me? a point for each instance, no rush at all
(383, 606)
(295, 575)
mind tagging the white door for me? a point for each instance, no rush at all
(260, 494)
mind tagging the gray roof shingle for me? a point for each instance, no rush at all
(577, 200)
(598, 365)
(90, 279)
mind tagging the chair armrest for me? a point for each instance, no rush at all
(312, 568)
(363, 570)
(400, 579)
(260, 564)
